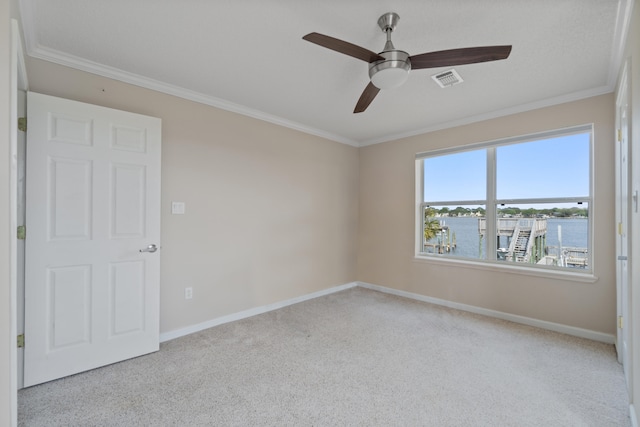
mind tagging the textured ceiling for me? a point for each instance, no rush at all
(248, 56)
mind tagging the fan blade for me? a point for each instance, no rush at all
(343, 47)
(467, 55)
(367, 96)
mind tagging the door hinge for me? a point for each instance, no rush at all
(620, 228)
(22, 124)
(21, 341)
(22, 232)
(620, 322)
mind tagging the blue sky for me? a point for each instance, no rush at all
(555, 167)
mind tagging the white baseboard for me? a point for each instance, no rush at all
(556, 327)
(570, 330)
(633, 415)
(166, 336)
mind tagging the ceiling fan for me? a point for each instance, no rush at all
(390, 68)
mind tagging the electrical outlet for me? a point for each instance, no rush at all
(188, 293)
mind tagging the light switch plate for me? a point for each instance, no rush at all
(177, 208)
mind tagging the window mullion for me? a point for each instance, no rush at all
(491, 215)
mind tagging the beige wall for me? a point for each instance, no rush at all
(387, 209)
(271, 213)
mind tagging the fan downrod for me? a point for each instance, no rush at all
(393, 70)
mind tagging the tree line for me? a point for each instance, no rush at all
(511, 211)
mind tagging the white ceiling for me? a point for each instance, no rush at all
(248, 56)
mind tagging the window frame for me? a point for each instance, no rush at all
(491, 204)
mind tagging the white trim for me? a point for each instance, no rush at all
(35, 50)
(503, 267)
(419, 221)
(77, 63)
(71, 61)
(166, 336)
(15, 71)
(509, 140)
(549, 102)
(633, 416)
(621, 31)
(23, 80)
(556, 327)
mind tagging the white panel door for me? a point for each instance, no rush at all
(93, 203)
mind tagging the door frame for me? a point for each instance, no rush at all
(623, 225)
(19, 82)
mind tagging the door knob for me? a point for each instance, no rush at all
(150, 248)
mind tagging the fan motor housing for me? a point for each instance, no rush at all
(395, 69)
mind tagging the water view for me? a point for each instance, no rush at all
(573, 232)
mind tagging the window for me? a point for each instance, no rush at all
(536, 191)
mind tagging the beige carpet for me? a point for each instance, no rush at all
(354, 358)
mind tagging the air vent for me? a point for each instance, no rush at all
(447, 78)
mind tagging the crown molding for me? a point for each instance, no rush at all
(35, 50)
(576, 96)
(71, 61)
(60, 58)
(623, 21)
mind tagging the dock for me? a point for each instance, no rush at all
(524, 238)
(568, 257)
(526, 241)
(445, 241)
(521, 240)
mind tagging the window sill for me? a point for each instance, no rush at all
(507, 268)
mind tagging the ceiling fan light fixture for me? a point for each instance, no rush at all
(390, 78)
(392, 72)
